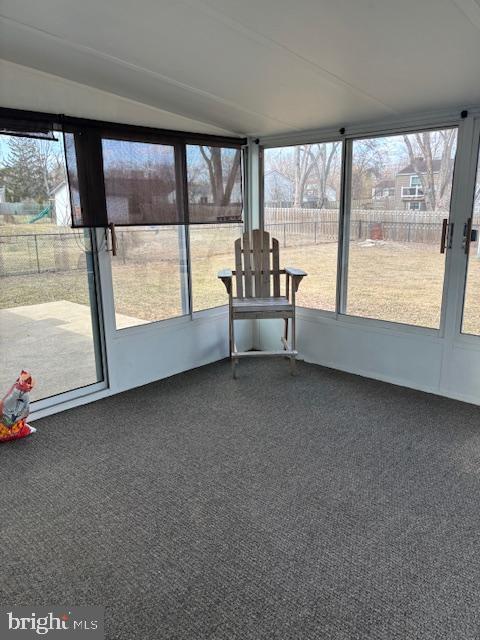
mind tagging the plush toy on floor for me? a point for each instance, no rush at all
(14, 409)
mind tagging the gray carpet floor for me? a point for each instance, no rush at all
(271, 507)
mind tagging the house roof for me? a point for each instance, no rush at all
(276, 172)
(59, 186)
(410, 170)
(384, 184)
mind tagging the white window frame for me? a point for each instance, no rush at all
(433, 121)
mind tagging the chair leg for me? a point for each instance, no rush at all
(230, 334)
(233, 360)
(292, 358)
(285, 334)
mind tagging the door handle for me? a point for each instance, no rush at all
(468, 235)
(444, 235)
(111, 226)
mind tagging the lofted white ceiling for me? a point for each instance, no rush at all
(258, 67)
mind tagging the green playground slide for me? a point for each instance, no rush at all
(40, 215)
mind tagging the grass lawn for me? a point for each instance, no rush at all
(389, 281)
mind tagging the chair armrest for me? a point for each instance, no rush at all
(225, 275)
(292, 271)
(296, 275)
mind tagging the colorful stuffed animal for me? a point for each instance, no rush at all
(14, 409)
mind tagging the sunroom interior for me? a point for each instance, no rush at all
(139, 144)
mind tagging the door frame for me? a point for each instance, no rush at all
(48, 405)
(462, 205)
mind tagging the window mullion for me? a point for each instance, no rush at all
(344, 228)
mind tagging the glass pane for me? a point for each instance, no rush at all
(140, 183)
(214, 184)
(149, 275)
(301, 207)
(211, 249)
(400, 195)
(471, 309)
(48, 315)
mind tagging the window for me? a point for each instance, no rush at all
(415, 181)
(149, 275)
(152, 180)
(214, 184)
(301, 210)
(151, 271)
(471, 307)
(48, 307)
(211, 249)
(393, 267)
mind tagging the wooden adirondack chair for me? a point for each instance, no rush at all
(258, 294)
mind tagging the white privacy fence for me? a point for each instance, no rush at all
(313, 226)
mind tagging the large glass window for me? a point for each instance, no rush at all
(48, 311)
(393, 265)
(211, 249)
(149, 272)
(471, 309)
(301, 209)
(214, 190)
(149, 275)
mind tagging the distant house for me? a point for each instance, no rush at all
(383, 190)
(61, 202)
(408, 185)
(122, 196)
(405, 191)
(279, 191)
(311, 194)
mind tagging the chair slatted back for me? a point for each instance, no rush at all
(255, 272)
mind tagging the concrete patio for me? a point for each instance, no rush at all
(54, 341)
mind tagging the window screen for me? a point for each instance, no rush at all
(140, 183)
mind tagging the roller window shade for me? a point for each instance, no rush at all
(127, 181)
(83, 154)
(141, 183)
(41, 129)
(214, 184)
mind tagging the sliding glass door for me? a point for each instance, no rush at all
(471, 247)
(368, 218)
(48, 286)
(396, 226)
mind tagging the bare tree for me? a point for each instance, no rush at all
(302, 163)
(51, 163)
(303, 167)
(222, 186)
(368, 162)
(323, 163)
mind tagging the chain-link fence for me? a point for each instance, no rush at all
(27, 254)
